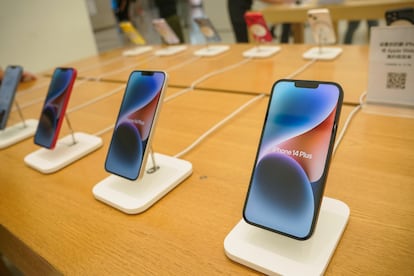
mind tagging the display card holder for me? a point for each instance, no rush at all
(275, 254)
(17, 132)
(261, 51)
(322, 51)
(170, 50)
(212, 50)
(137, 51)
(67, 150)
(133, 197)
(390, 72)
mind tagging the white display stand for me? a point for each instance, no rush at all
(133, 197)
(18, 132)
(275, 254)
(211, 50)
(137, 51)
(321, 52)
(261, 51)
(65, 152)
(170, 50)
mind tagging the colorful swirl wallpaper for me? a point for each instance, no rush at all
(133, 126)
(288, 178)
(52, 111)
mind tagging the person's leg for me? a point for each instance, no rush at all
(352, 26)
(285, 33)
(236, 9)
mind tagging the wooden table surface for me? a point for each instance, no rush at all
(233, 73)
(52, 223)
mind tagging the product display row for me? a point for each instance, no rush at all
(211, 119)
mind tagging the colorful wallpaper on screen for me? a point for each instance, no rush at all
(291, 158)
(52, 109)
(133, 126)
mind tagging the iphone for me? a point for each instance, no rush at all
(291, 167)
(134, 127)
(54, 107)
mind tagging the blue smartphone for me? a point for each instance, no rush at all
(291, 167)
(8, 88)
(134, 127)
(54, 107)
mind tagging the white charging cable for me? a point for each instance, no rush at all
(348, 121)
(237, 111)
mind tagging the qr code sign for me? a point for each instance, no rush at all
(396, 80)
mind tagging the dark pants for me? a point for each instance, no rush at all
(237, 9)
(353, 26)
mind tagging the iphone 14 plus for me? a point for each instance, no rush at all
(164, 30)
(207, 29)
(321, 26)
(134, 127)
(257, 26)
(54, 107)
(11, 79)
(291, 167)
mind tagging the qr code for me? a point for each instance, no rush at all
(396, 80)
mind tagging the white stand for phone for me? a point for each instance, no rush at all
(261, 51)
(66, 152)
(133, 197)
(170, 50)
(211, 50)
(324, 53)
(137, 51)
(273, 254)
(18, 132)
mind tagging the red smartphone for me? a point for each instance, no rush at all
(54, 107)
(257, 26)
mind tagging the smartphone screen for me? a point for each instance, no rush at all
(291, 167)
(165, 31)
(54, 107)
(134, 126)
(207, 29)
(11, 79)
(257, 26)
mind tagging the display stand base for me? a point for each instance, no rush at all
(66, 152)
(137, 51)
(261, 51)
(170, 50)
(18, 132)
(388, 110)
(133, 197)
(325, 53)
(212, 50)
(275, 254)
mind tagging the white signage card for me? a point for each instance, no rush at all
(391, 66)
